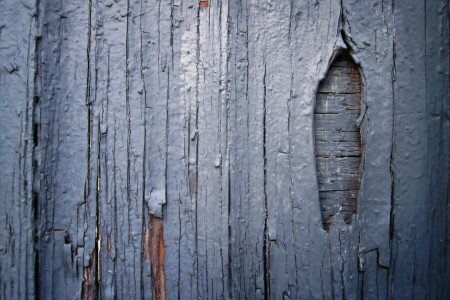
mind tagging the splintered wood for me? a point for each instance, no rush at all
(337, 140)
(154, 250)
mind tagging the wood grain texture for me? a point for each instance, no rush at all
(337, 139)
(167, 149)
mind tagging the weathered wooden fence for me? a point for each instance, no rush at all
(240, 149)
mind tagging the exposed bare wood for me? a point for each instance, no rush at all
(154, 250)
(337, 139)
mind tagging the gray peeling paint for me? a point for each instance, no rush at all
(114, 112)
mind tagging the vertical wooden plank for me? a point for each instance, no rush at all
(119, 113)
(311, 50)
(180, 215)
(438, 104)
(136, 108)
(64, 222)
(90, 288)
(275, 74)
(18, 34)
(109, 100)
(420, 133)
(370, 38)
(157, 63)
(252, 204)
(212, 202)
(155, 68)
(246, 274)
(412, 211)
(375, 121)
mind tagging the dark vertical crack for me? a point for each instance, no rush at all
(35, 148)
(35, 152)
(90, 286)
(228, 144)
(161, 247)
(228, 160)
(293, 205)
(128, 110)
(341, 16)
(266, 245)
(97, 218)
(143, 210)
(220, 122)
(171, 43)
(166, 153)
(115, 189)
(342, 267)
(247, 98)
(197, 144)
(392, 158)
(144, 150)
(230, 236)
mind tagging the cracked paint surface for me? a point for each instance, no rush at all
(166, 150)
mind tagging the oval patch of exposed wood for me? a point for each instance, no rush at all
(337, 139)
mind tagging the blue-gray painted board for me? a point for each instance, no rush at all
(118, 112)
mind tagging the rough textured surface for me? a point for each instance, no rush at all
(165, 149)
(154, 251)
(18, 44)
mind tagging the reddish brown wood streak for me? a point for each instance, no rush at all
(155, 251)
(89, 291)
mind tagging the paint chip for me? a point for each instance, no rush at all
(218, 160)
(204, 4)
